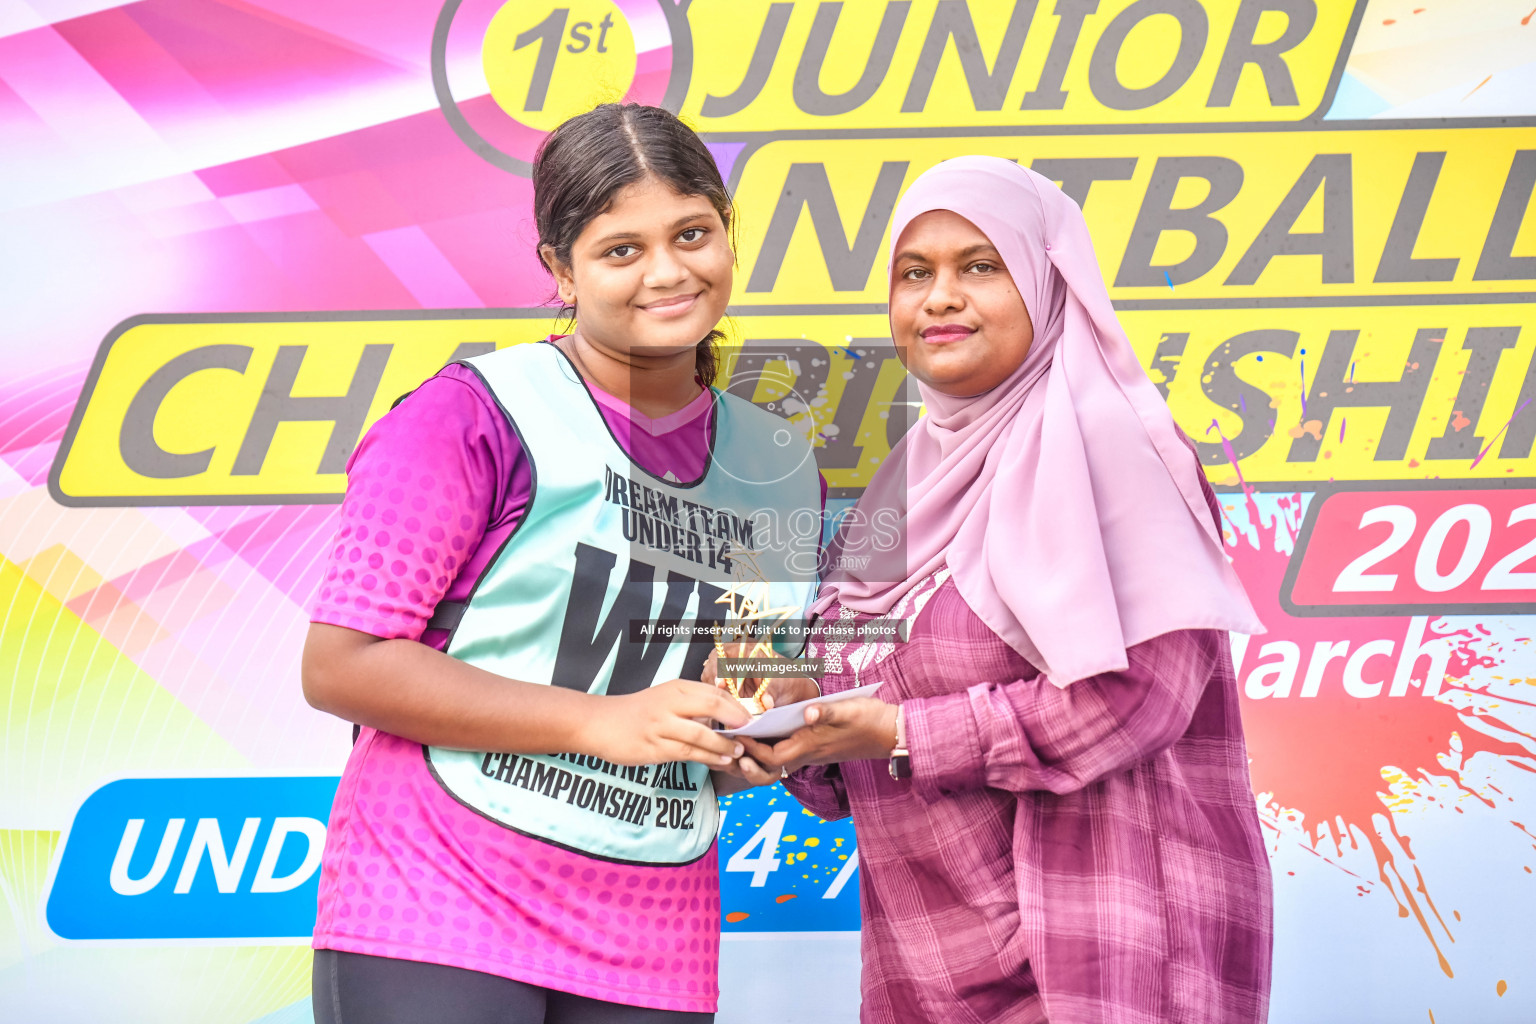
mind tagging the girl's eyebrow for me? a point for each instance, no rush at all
(677, 224)
(626, 236)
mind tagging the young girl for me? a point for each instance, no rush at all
(524, 831)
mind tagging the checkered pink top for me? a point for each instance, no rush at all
(1076, 855)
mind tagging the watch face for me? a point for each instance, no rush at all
(901, 766)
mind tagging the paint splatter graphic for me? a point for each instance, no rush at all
(1344, 769)
(1489, 446)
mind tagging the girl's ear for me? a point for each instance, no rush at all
(565, 281)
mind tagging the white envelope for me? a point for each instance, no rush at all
(776, 723)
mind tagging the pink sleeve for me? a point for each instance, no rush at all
(820, 789)
(423, 486)
(1030, 734)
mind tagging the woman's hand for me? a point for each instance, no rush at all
(779, 690)
(665, 722)
(852, 730)
(743, 773)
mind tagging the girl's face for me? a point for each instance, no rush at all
(956, 314)
(651, 276)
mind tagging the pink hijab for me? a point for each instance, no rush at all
(1065, 502)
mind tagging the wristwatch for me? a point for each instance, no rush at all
(901, 760)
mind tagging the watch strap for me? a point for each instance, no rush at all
(901, 758)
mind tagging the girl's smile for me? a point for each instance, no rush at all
(672, 306)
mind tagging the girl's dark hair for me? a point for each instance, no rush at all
(583, 164)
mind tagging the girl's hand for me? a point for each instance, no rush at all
(665, 722)
(851, 730)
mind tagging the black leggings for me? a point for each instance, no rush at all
(354, 988)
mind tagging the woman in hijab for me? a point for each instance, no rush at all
(1050, 788)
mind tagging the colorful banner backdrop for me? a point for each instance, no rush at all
(237, 230)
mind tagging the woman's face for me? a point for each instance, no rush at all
(955, 312)
(651, 275)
